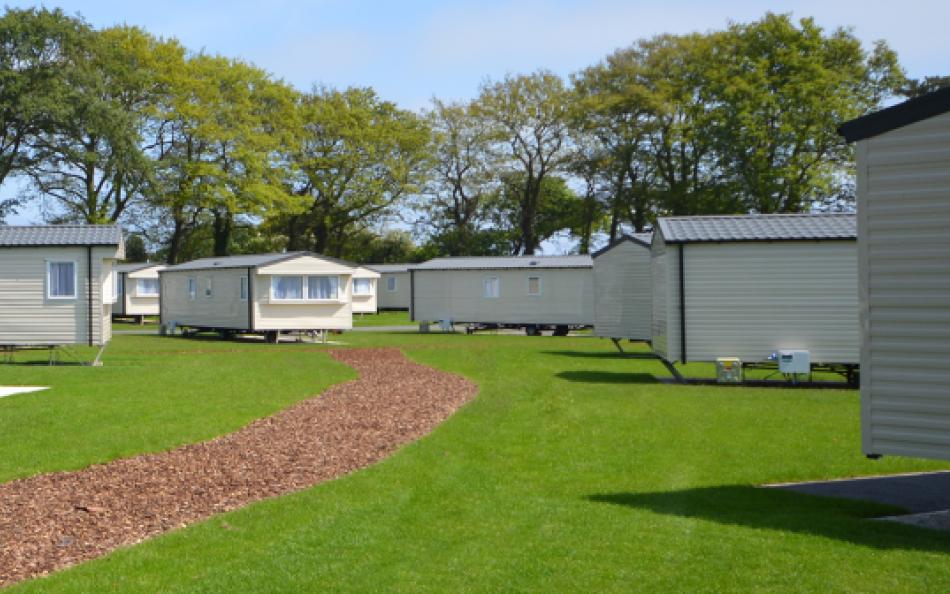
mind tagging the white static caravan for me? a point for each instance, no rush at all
(521, 291)
(365, 290)
(137, 288)
(623, 295)
(393, 284)
(267, 294)
(749, 286)
(57, 284)
(903, 191)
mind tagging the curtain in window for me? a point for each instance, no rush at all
(147, 286)
(391, 283)
(62, 279)
(323, 287)
(286, 287)
(362, 286)
(491, 287)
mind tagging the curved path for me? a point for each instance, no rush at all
(50, 521)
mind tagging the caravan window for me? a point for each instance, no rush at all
(323, 287)
(391, 284)
(492, 287)
(192, 288)
(534, 285)
(243, 289)
(146, 287)
(286, 287)
(61, 280)
(362, 286)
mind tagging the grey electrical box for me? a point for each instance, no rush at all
(794, 361)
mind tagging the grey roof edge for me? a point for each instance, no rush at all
(623, 238)
(897, 116)
(136, 266)
(388, 268)
(663, 228)
(277, 259)
(113, 231)
(426, 265)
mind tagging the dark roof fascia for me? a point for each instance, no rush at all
(52, 245)
(897, 116)
(588, 267)
(757, 240)
(623, 239)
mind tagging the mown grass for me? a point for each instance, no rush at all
(152, 394)
(573, 470)
(383, 318)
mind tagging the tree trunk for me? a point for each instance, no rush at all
(223, 226)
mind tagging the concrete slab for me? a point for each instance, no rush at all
(11, 390)
(918, 493)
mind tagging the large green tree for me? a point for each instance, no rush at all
(357, 160)
(529, 117)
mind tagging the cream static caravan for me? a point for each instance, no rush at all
(57, 284)
(137, 288)
(266, 294)
(903, 190)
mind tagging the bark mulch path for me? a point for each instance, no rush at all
(54, 520)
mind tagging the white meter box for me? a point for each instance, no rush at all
(794, 361)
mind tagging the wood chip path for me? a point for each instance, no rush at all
(54, 520)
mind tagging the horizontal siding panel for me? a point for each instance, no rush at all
(623, 297)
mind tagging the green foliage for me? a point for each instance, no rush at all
(135, 249)
(928, 84)
(391, 247)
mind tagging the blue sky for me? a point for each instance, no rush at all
(410, 51)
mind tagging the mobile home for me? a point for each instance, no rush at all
(623, 295)
(533, 292)
(751, 286)
(266, 294)
(137, 287)
(903, 191)
(57, 284)
(365, 290)
(393, 284)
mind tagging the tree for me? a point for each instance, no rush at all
(563, 209)
(461, 184)
(928, 84)
(358, 158)
(93, 165)
(777, 92)
(528, 115)
(135, 250)
(39, 50)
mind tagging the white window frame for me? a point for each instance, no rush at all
(491, 281)
(209, 287)
(116, 279)
(243, 289)
(340, 288)
(49, 283)
(305, 289)
(192, 288)
(368, 293)
(540, 285)
(394, 281)
(140, 293)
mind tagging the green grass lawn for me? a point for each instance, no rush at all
(573, 470)
(383, 318)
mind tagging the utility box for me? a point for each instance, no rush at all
(728, 370)
(794, 361)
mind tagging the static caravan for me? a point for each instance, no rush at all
(903, 171)
(266, 294)
(752, 286)
(365, 289)
(533, 292)
(137, 287)
(57, 284)
(623, 296)
(393, 285)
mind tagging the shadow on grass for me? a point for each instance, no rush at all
(607, 377)
(602, 354)
(774, 509)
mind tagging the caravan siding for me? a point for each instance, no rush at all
(398, 298)
(566, 296)
(749, 300)
(665, 325)
(216, 302)
(622, 292)
(29, 317)
(904, 215)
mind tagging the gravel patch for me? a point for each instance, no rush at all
(51, 521)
